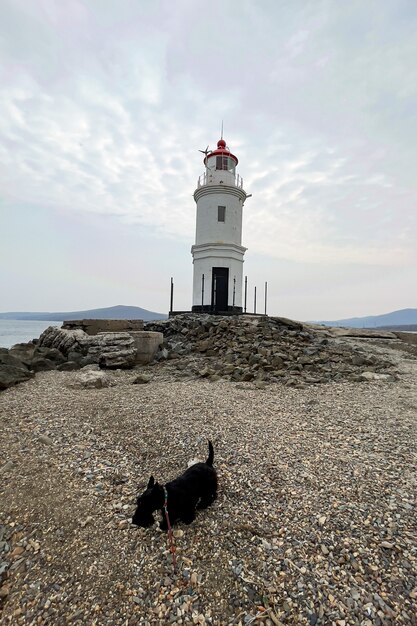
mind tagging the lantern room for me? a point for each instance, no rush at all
(221, 159)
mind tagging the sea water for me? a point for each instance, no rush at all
(22, 331)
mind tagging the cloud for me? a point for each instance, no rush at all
(105, 105)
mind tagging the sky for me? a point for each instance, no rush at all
(104, 105)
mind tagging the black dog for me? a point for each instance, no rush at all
(195, 488)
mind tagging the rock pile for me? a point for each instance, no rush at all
(113, 350)
(238, 348)
(262, 349)
(68, 350)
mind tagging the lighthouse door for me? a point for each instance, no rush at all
(220, 289)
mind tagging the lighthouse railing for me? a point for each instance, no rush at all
(205, 180)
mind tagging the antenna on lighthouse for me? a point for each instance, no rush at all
(221, 137)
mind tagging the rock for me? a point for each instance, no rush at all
(52, 354)
(162, 354)
(361, 332)
(12, 371)
(41, 364)
(93, 380)
(68, 366)
(118, 359)
(277, 362)
(45, 439)
(24, 352)
(375, 376)
(89, 361)
(12, 375)
(141, 379)
(359, 360)
(63, 340)
(4, 590)
(6, 467)
(75, 355)
(110, 350)
(247, 375)
(116, 350)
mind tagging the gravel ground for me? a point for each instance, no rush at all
(315, 522)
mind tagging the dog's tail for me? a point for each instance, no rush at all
(211, 455)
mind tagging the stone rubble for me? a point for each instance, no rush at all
(264, 350)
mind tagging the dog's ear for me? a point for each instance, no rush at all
(151, 482)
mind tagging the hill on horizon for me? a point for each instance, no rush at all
(119, 312)
(403, 317)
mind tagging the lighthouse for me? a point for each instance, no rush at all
(218, 251)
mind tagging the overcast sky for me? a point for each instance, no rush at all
(104, 105)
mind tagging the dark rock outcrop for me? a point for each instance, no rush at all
(12, 370)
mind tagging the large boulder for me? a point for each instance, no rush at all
(63, 340)
(12, 370)
(24, 352)
(52, 354)
(111, 350)
(37, 358)
(42, 364)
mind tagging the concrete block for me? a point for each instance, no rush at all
(146, 343)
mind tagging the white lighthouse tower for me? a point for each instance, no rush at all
(218, 251)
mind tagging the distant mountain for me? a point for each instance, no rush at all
(119, 312)
(404, 317)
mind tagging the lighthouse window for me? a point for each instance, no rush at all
(221, 213)
(221, 163)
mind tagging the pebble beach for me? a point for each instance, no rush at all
(315, 522)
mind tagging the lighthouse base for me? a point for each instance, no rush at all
(208, 308)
